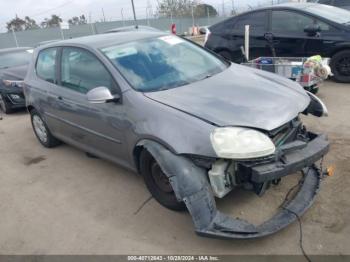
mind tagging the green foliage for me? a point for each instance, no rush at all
(54, 21)
(184, 8)
(78, 20)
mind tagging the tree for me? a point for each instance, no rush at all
(54, 21)
(30, 23)
(176, 8)
(16, 24)
(202, 10)
(78, 20)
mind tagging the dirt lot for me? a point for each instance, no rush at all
(59, 201)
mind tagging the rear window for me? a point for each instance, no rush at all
(46, 65)
(226, 25)
(341, 3)
(256, 20)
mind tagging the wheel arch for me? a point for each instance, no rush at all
(340, 49)
(140, 146)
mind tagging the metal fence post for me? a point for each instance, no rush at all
(14, 37)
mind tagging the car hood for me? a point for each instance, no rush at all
(239, 96)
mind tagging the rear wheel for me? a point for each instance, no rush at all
(4, 106)
(41, 130)
(340, 65)
(158, 183)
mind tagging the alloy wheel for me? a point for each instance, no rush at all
(343, 66)
(39, 128)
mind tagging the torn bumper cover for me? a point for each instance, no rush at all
(191, 185)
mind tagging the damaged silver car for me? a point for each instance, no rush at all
(192, 124)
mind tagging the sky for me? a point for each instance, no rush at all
(92, 9)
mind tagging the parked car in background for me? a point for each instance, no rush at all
(13, 68)
(132, 28)
(292, 30)
(193, 124)
(338, 3)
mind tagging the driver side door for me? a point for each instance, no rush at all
(95, 128)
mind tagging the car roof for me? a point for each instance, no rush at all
(14, 49)
(295, 6)
(104, 40)
(132, 28)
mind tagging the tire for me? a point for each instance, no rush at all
(160, 189)
(4, 106)
(41, 130)
(340, 65)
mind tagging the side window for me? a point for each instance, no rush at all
(46, 65)
(256, 20)
(341, 3)
(285, 21)
(81, 71)
(325, 2)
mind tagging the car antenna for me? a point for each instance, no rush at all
(133, 10)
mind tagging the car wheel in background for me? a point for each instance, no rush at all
(158, 183)
(4, 105)
(340, 65)
(41, 130)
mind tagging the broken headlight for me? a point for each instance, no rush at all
(241, 143)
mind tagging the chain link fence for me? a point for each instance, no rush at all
(34, 37)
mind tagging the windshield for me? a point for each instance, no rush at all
(334, 14)
(16, 58)
(162, 63)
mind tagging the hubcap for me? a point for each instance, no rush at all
(343, 66)
(160, 178)
(40, 128)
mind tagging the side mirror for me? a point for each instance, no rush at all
(312, 30)
(100, 95)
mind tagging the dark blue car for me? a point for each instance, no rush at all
(288, 30)
(13, 68)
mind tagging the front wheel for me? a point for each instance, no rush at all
(340, 65)
(158, 183)
(41, 130)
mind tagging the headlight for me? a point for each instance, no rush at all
(241, 143)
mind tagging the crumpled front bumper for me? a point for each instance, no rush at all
(190, 184)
